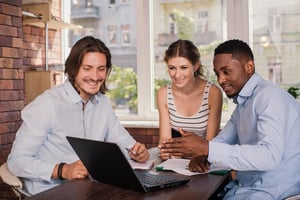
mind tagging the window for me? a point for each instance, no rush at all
(276, 32)
(139, 33)
(202, 21)
(125, 31)
(172, 23)
(112, 30)
(274, 69)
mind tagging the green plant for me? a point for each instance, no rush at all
(185, 25)
(294, 91)
(123, 86)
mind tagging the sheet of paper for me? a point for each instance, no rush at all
(147, 165)
(180, 166)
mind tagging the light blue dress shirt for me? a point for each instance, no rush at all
(41, 142)
(262, 142)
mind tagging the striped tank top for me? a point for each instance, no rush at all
(196, 123)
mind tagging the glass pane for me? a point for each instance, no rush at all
(114, 22)
(276, 40)
(199, 21)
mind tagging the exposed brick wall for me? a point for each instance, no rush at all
(148, 136)
(11, 79)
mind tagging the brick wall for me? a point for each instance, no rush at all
(148, 136)
(11, 78)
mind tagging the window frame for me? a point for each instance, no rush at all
(235, 25)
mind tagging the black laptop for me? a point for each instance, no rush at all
(106, 163)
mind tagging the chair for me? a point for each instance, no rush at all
(14, 182)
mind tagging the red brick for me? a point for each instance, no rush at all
(7, 95)
(152, 131)
(17, 42)
(5, 19)
(10, 74)
(11, 106)
(5, 41)
(6, 63)
(9, 9)
(6, 84)
(11, 84)
(27, 29)
(10, 52)
(19, 32)
(4, 128)
(155, 140)
(13, 2)
(6, 142)
(19, 84)
(16, 21)
(137, 131)
(143, 138)
(8, 30)
(38, 31)
(18, 63)
(10, 116)
(7, 128)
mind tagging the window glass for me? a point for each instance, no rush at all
(114, 22)
(276, 36)
(139, 31)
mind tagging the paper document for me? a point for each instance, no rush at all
(180, 166)
(137, 165)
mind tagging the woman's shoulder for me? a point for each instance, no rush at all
(163, 89)
(213, 89)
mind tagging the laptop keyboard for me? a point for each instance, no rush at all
(153, 179)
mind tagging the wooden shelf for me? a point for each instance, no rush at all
(42, 12)
(52, 24)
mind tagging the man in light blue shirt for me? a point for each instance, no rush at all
(41, 155)
(261, 141)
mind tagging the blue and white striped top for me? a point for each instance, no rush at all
(196, 123)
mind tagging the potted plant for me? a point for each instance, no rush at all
(294, 91)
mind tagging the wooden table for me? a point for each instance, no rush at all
(201, 187)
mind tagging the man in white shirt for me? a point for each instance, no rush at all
(41, 155)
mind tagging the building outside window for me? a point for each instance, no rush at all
(112, 31)
(125, 31)
(139, 31)
(202, 21)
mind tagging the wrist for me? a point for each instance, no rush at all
(60, 171)
(207, 148)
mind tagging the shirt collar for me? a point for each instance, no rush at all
(248, 89)
(75, 97)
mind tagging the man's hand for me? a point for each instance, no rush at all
(139, 152)
(190, 145)
(75, 170)
(199, 164)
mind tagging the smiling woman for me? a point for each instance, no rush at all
(189, 103)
